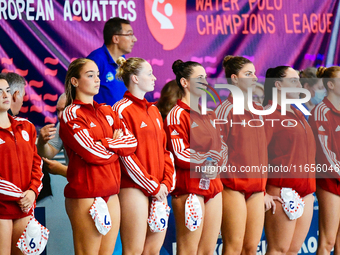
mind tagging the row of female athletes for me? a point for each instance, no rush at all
(126, 156)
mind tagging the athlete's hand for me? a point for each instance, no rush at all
(55, 167)
(47, 133)
(26, 201)
(269, 202)
(117, 133)
(162, 193)
(211, 171)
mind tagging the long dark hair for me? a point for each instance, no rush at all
(273, 75)
(169, 95)
(183, 70)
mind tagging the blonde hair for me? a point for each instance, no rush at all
(327, 74)
(73, 71)
(128, 67)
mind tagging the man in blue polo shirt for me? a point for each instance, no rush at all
(118, 40)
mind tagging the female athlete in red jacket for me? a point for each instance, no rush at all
(325, 122)
(149, 172)
(192, 138)
(20, 173)
(243, 193)
(93, 137)
(291, 144)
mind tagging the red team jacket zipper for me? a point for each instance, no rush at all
(16, 148)
(147, 112)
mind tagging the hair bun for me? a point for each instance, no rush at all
(176, 66)
(227, 59)
(270, 73)
(321, 71)
(120, 61)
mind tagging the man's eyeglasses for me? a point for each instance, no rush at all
(130, 35)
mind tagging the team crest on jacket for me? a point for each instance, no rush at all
(25, 135)
(109, 120)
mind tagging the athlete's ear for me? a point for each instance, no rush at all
(74, 82)
(278, 85)
(330, 85)
(234, 79)
(184, 82)
(134, 79)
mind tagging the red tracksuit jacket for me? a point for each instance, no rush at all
(325, 123)
(247, 147)
(93, 169)
(151, 164)
(192, 138)
(291, 147)
(20, 165)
